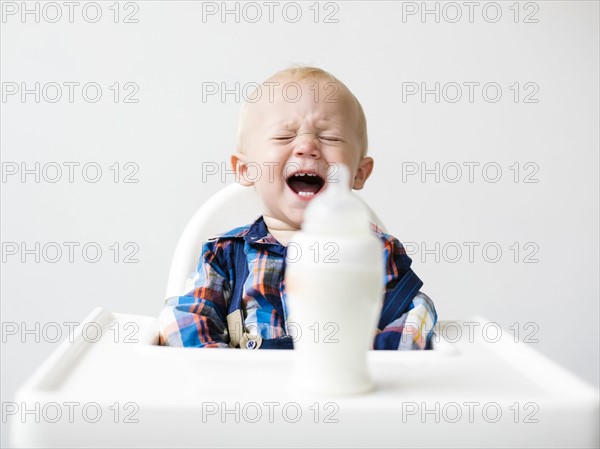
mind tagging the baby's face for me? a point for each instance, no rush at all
(287, 146)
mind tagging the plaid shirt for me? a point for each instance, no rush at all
(199, 318)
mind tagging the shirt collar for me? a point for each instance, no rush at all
(258, 233)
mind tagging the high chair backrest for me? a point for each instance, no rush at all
(232, 206)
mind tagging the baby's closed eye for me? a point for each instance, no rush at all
(289, 136)
(330, 138)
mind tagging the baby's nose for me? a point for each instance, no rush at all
(307, 145)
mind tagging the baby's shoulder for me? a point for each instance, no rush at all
(391, 244)
(219, 250)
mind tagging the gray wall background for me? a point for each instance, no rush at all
(544, 218)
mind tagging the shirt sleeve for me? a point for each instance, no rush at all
(198, 319)
(411, 330)
(412, 327)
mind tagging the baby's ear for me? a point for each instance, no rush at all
(240, 165)
(365, 167)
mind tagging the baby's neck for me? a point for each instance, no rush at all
(281, 230)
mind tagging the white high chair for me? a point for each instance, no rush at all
(139, 394)
(232, 206)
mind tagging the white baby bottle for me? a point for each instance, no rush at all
(334, 280)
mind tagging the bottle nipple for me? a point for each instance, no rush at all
(337, 211)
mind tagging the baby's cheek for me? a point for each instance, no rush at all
(272, 169)
(270, 182)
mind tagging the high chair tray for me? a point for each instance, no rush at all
(110, 385)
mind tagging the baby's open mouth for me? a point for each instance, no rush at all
(305, 184)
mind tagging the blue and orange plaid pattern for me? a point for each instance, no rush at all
(199, 318)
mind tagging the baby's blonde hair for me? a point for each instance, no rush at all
(301, 72)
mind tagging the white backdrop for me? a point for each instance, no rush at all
(515, 239)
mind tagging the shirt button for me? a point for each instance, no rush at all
(251, 344)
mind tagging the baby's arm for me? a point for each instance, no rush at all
(411, 330)
(198, 319)
(408, 314)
